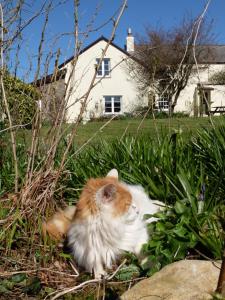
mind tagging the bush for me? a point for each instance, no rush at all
(218, 77)
(180, 115)
(22, 99)
(140, 113)
(157, 114)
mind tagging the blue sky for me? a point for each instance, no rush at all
(138, 15)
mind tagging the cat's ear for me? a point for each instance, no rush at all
(107, 193)
(113, 173)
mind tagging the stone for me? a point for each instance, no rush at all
(182, 280)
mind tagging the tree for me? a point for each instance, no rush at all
(218, 77)
(167, 58)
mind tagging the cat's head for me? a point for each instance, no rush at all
(104, 195)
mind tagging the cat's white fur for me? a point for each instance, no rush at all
(99, 240)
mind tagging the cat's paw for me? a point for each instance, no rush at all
(100, 274)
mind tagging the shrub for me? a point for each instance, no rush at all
(218, 77)
(22, 99)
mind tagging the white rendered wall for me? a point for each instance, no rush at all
(185, 101)
(118, 84)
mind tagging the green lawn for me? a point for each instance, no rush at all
(117, 128)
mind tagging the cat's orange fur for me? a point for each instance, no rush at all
(58, 225)
(108, 220)
(87, 203)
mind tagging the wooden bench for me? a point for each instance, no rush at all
(217, 110)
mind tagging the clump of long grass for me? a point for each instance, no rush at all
(187, 174)
(180, 172)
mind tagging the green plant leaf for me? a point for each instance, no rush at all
(128, 272)
(179, 207)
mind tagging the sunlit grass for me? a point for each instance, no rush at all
(134, 127)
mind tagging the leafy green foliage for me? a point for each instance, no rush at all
(170, 238)
(30, 286)
(186, 174)
(21, 98)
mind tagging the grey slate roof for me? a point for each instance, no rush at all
(215, 54)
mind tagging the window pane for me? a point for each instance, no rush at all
(106, 66)
(112, 104)
(116, 107)
(163, 103)
(108, 104)
(106, 72)
(117, 99)
(108, 109)
(99, 73)
(108, 99)
(100, 70)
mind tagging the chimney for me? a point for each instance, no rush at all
(129, 41)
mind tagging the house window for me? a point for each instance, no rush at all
(112, 104)
(163, 103)
(104, 67)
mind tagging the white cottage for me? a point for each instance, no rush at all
(116, 91)
(199, 90)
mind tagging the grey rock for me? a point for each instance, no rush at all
(182, 280)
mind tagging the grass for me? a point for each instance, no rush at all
(132, 127)
(149, 127)
(184, 167)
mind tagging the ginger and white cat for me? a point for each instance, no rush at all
(107, 220)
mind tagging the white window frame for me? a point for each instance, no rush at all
(102, 67)
(113, 105)
(163, 103)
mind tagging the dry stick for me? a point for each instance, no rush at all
(17, 61)
(15, 127)
(42, 41)
(68, 290)
(12, 134)
(63, 132)
(62, 109)
(92, 137)
(98, 81)
(56, 137)
(172, 80)
(37, 123)
(27, 23)
(57, 128)
(7, 274)
(83, 105)
(200, 19)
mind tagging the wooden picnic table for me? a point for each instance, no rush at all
(217, 109)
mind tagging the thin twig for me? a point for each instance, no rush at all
(12, 134)
(68, 290)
